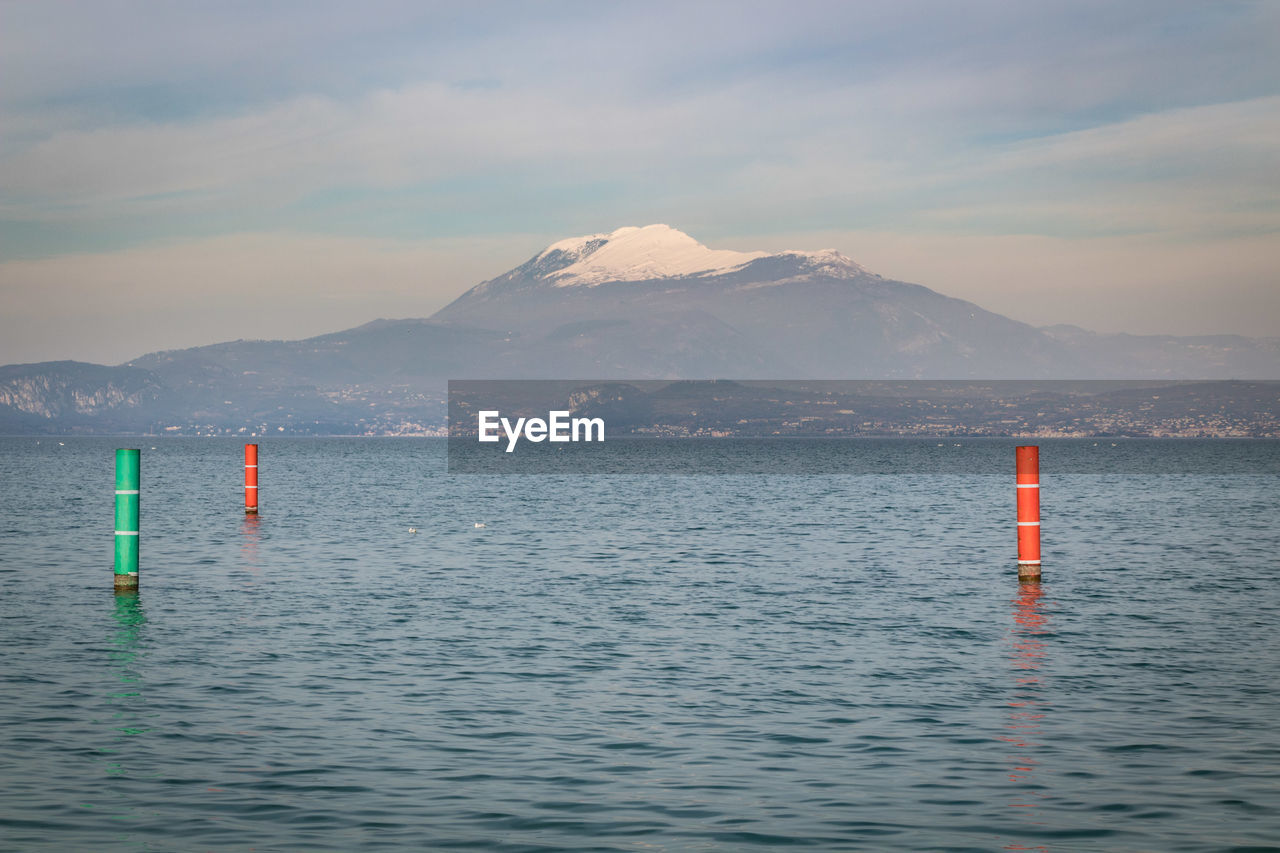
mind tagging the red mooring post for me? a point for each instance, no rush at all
(1028, 459)
(251, 479)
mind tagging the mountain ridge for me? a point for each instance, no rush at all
(636, 303)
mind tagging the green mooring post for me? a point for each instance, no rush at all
(128, 477)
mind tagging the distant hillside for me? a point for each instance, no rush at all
(637, 303)
(72, 396)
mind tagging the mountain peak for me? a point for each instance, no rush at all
(634, 254)
(655, 252)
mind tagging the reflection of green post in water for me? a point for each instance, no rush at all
(128, 476)
(130, 617)
(129, 713)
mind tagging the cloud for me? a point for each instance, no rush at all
(130, 132)
(1211, 162)
(387, 139)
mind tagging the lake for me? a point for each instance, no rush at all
(626, 662)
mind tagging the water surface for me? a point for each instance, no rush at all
(637, 662)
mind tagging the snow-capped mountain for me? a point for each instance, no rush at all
(635, 303)
(654, 302)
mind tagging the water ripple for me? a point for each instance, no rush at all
(632, 663)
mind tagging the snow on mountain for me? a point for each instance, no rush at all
(826, 262)
(639, 254)
(654, 252)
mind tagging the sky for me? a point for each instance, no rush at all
(178, 174)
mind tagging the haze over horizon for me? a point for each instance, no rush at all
(178, 175)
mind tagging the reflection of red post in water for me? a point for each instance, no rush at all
(251, 478)
(250, 534)
(1026, 708)
(1028, 476)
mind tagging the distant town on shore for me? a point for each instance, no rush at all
(1045, 409)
